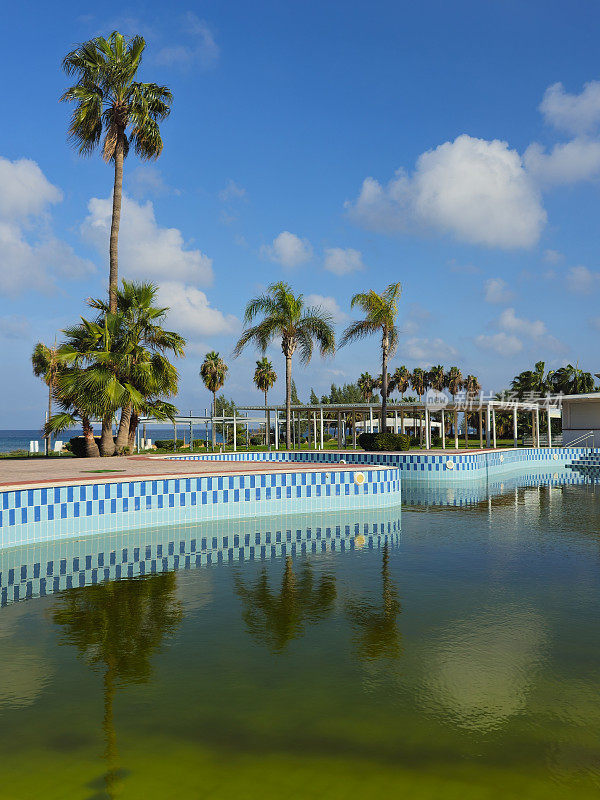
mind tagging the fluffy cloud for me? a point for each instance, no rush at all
(552, 256)
(146, 180)
(329, 304)
(288, 250)
(341, 261)
(509, 321)
(416, 317)
(582, 280)
(497, 291)
(474, 189)
(25, 191)
(191, 312)
(574, 113)
(502, 343)
(202, 50)
(30, 256)
(145, 249)
(568, 162)
(513, 330)
(427, 350)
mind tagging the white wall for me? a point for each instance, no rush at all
(579, 417)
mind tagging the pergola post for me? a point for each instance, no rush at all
(481, 428)
(549, 429)
(533, 428)
(537, 425)
(402, 420)
(339, 429)
(268, 425)
(235, 433)
(515, 431)
(467, 426)
(354, 430)
(494, 424)
(395, 421)
(427, 429)
(370, 419)
(314, 419)
(276, 429)
(443, 430)
(455, 429)
(174, 436)
(247, 433)
(321, 429)
(488, 425)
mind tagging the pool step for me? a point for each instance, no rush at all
(587, 465)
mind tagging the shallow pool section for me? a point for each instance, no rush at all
(454, 653)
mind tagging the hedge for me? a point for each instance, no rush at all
(384, 441)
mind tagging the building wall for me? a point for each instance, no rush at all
(579, 417)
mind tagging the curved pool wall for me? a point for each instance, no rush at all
(42, 568)
(419, 466)
(80, 509)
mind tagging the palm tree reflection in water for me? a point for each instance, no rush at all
(117, 627)
(276, 619)
(377, 634)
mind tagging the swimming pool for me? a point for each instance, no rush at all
(447, 649)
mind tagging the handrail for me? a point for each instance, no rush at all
(581, 438)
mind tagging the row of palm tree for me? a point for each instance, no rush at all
(113, 362)
(567, 379)
(420, 381)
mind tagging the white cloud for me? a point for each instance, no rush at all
(146, 180)
(191, 312)
(232, 191)
(25, 191)
(329, 304)
(341, 261)
(474, 189)
(509, 321)
(582, 280)
(288, 250)
(145, 249)
(427, 350)
(573, 113)
(203, 49)
(15, 327)
(502, 343)
(497, 291)
(567, 162)
(415, 318)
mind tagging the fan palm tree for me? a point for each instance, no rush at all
(571, 380)
(418, 381)
(366, 384)
(77, 403)
(401, 380)
(45, 365)
(437, 378)
(285, 317)
(381, 311)
(531, 382)
(264, 379)
(454, 381)
(213, 373)
(108, 100)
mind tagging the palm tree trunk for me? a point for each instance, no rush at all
(288, 402)
(113, 280)
(384, 383)
(91, 448)
(107, 443)
(213, 427)
(133, 423)
(267, 425)
(49, 436)
(123, 432)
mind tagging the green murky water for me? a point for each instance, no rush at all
(458, 658)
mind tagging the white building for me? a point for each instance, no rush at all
(581, 416)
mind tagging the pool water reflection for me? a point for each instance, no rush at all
(456, 656)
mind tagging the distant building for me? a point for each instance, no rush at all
(581, 415)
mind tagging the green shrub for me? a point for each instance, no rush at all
(377, 442)
(167, 444)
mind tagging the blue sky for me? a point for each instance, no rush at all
(340, 146)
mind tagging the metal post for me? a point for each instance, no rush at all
(455, 429)
(427, 429)
(481, 429)
(276, 429)
(549, 430)
(443, 422)
(315, 430)
(488, 425)
(395, 421)
(494, 424)
(515, 437)
(321, 429)
(234, 433)
(191, 432)
(268, 423)
(370, 419)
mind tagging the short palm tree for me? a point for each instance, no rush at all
(401, 379)
(472, 386)
(380, 312)
(298, 327)
(45, 366)
(571, 380)
(533, 382)
(437, 378)
(418, 381)
(264, 379)
(366, 384)
(213, 373)
(454, 381)
(108, 100)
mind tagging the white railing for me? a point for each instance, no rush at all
(584, 437)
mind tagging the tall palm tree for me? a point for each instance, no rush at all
(473, 387)
(401, 380)
(285, 317)
(213, 373)
(264, 379)
(45, 365)
(437, 378)
(531, 382)
(454, 381)
(571, 380)
(108, 100)
(381, 311)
